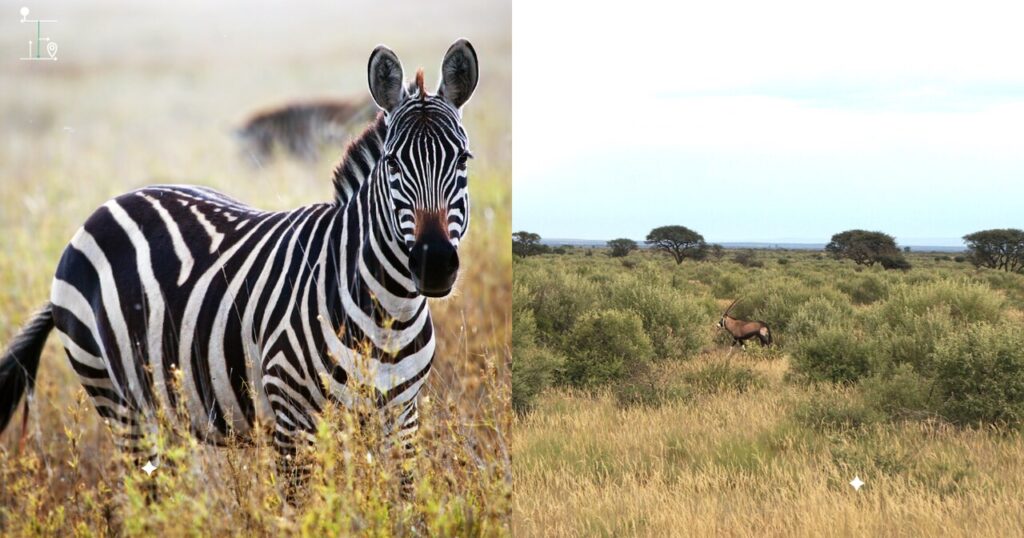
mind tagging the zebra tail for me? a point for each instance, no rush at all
(20, 362)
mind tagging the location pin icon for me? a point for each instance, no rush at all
(51, 49)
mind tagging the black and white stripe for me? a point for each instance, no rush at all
(268, 316)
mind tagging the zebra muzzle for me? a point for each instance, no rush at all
(434, 264)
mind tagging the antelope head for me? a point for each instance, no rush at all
(721, 322)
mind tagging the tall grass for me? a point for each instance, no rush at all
(909, 380)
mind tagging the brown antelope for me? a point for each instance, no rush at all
(742, 330)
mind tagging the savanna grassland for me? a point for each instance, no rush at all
(150, 94)
(636, 417)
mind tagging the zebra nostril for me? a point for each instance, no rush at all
(453, 262)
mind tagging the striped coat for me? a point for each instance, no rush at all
(181, 298)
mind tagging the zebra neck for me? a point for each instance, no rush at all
(373, 263)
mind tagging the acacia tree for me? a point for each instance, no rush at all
(997, 249)
(678, 241)
(527, 244)
(864, 247)
(621, 247)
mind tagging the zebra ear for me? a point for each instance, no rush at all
(385, 75)
(459, 73)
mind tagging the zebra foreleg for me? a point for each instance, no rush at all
(403, 441)
(136, 439)
(294, 466)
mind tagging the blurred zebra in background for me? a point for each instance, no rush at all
(180, 298)
(303, 129)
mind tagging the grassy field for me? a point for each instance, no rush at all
(687, 436)
(142, 95)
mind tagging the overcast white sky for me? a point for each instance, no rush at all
(768, 121)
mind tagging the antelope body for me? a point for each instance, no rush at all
(742, 330)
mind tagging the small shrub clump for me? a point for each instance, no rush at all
(608, 345)
(836, 353)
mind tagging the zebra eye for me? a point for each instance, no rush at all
(463, 159)
(392, 164)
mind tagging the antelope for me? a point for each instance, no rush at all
(742, 330)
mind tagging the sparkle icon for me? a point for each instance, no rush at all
(149, 468)
(856, 483)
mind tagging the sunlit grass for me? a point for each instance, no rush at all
(708, 440)
(739, 464)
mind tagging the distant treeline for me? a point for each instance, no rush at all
(997, 248)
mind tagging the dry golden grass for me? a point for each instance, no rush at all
(147, 95)
(726, 463)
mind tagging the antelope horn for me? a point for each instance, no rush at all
(726, 313)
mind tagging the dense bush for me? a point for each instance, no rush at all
(776, 301)
(747, 258)
(816, 313)
(967, 301)
(979, 376)
(607, 345)
(895, 262)
(865, 288)
(835, 353)
(928, 343)
(557, 299)
(535, 367)
(677, 324)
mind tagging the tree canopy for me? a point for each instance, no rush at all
(527, 244)
(865, 248)
(997, 249)
(621, 247)
(678, 241)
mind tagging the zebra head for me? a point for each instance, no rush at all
(424, 161)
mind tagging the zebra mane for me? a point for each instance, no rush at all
(419, 84)
(358, 161)
(364, 151)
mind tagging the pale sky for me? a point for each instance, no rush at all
(768, 121)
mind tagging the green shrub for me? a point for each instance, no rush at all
(534, 367)
(747, 258)
(980, 375)
(967, 301)
(912, 338)
(776, 300)
(895, 262)
(709, 274)
(865, 288)
(899, 393)
(727, 285)
(558, 299)
(836, 353)
(816, 313)
(676, 323)
(606, 346)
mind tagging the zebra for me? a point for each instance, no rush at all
(302, 128)
(266, 317)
